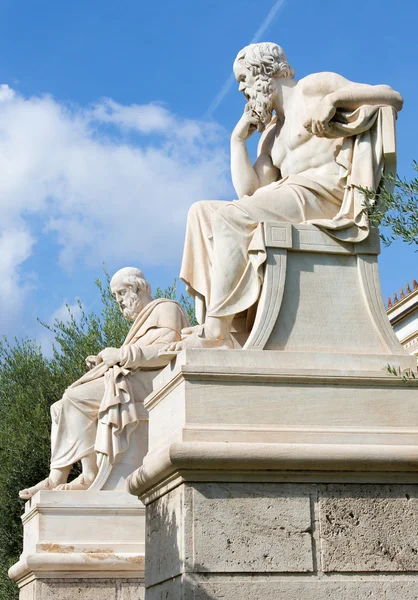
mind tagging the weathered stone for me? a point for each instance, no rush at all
(30, 591)
(238, 588)
(369, 527)
(251, 527)
(163, 550)
(131, 590)
(69, 590)
(168, 590)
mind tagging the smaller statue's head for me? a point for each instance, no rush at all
(131, 290)
(255, 67)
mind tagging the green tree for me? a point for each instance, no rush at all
(29, 383)
(395, 211)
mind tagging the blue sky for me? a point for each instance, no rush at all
(107, 137)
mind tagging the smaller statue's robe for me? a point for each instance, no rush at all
(100, 410)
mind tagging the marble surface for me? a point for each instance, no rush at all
(98, 413)
(322, 137)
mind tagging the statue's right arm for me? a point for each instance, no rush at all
(247, 179)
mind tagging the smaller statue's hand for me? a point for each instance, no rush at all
(248, 123)
(319, 124)
(92, 361)
(110, 356)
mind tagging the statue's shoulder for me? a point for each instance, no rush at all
(321, 84)
(167, 310)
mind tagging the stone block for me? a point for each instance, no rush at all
(131, 590)
(260, 588)
(369, 527)
(70, 589)
(172, 589)
(30, 591)
(163, 554)
(251, 528)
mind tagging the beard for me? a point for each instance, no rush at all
(132, 310)
(261, 100)
(130, 314)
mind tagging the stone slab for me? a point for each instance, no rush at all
(69, 590)
(251, 528)
(164, 533)
(369, 528)
(90, 589)
(261, 589)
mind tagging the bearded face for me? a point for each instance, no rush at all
(258, 90)
(130, 301)
(260, 99)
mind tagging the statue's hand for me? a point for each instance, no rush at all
(92, 361)
(319, 124)
(110, 356)
(248, 123)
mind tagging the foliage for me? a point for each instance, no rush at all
(29, 383)
(185, 301)
(406, 375)
(397, 210)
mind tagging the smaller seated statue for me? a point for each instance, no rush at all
(97, 413)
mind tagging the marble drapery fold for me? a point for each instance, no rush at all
(101, 409)
(224, 248)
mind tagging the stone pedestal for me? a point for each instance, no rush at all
(86, 545)
(278, 475)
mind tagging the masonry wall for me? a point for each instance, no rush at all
(273, 541)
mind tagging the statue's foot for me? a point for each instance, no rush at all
(45, 484)
(80, 483)
(201, 337)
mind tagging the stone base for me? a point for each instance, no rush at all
(281, 541)
(281, 476)
(86, 589)
(81, 545)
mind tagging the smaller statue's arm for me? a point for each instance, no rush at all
(357, 94)
(146, 356)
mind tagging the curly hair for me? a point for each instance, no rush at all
(265, 60)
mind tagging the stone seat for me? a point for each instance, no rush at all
(313, 280)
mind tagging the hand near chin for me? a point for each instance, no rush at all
(110, 356)
(247, 125)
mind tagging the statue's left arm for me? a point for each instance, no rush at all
(144, 353)
(349, 96)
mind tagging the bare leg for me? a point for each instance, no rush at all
(56, 477)
(87, 476)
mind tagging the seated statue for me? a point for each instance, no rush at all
(324, 140)
(97, 413)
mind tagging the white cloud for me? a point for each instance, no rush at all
(63, 314)
(66, 311)
(15, 247)
(111, 182)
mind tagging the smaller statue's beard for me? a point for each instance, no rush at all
(261, 101)
(131, 312)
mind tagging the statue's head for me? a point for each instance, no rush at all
(131, 291)
(255, 68)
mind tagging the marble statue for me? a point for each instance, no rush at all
(321, 137)
(97, 413)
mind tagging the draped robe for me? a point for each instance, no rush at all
(225, 251)
(101, 409)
